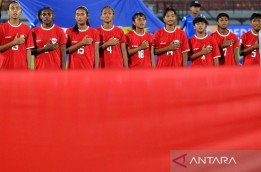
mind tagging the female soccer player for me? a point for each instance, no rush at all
(83, 42)
(227, 41)
(112, 49)
(171, 43)
(140, 44)
(50, 41)
(16, 40)
(204, 49)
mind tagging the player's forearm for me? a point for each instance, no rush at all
(6, 46)
(247, 51)
(29, 58)
(36, 51)
(105, 45)
(133, 50)
(152, 57)
(63, 55)
(197, 55)
(216, 62)
(96, 55)
(74, 48)
(161, 50)
(124, 54)
(185, 59)
(236, 56)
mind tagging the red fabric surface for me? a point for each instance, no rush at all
(124, 120)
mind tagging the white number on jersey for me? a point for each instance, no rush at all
(141, 54)
(15, 47)
(253, 53)
(170, 52)
(80, 51)
(203, 57)
(225, 51)
(109, 49)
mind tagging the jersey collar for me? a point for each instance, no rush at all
(254, 33)
(139, 34)
(107, 29)
(201, 38)
(84, 29)
(170, 31)
(47, 29)
(223, 35)
(13, 25)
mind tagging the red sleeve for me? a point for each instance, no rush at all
(155, 37)
(185, 46)
(123, 37)
(151, 42)
(96, 37)
(236, 43)
(29, 40)
(215, 51)
(242, 40)
(63, 39)
(128, 39)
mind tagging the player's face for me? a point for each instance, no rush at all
(200, 27)
(194, 10)
(223, 22)
(81, 16)
(47, 16)
(256, 24)
(140, 22)
(14, 11)
(170, 18)
(107, 15)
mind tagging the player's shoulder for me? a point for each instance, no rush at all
(201, 15)
(214, 34)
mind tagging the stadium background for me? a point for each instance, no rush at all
(129, 120)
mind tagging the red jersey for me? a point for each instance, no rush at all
(196, 45)
(248, 39)
(228, 56)
(83, 58)
(143, 57)
(16, 56)
(111, 56)
(162, 39)
(52, 59)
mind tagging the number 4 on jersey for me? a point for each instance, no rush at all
(109, 49)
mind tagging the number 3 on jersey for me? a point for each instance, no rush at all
(109, 49)
(15, 47)
(80, 51)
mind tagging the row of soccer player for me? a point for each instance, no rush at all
(105, 46)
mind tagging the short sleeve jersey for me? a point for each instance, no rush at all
(248, 39)
(162, 39)
(83, 58)
(143, 57)
(196, 45)
(111, 57)
(52, 59)
(16, 56)
(227, 53)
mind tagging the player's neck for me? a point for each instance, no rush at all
(14, 22)
(194, 15)
(82, 27)
(255, 31)
(107, 25)
(139, 31)
(223, 31)
(47, 26)
(170, 27)
(201, 34)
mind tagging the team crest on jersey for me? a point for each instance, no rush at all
(54, 40)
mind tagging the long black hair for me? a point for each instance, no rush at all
(135, 16)
(75, 28)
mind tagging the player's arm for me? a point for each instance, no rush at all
(96, 55)
(63, 55)
(48, 47)
(183, 23)
(16, 41)
(152, 57)
(172, 46)
(245, 51)
(85, 41)
(112, 41)
(29, 58)
(216, 61)
(185, 59)
(204, 50)
(143, 45)
(124, 54)
(236, 56)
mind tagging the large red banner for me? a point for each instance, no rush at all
(124, 120)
